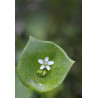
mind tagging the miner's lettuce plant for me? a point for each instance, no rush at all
(43, 65)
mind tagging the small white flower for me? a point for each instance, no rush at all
(45, 63)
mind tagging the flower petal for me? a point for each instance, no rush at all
(40, 61)
(50, 62)
(46, 59)
(48, 67)
(42, 67)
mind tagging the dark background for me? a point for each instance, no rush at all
(59, 21)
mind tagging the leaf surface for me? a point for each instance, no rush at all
(21, 91)
(28, 65)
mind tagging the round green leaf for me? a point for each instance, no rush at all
(29, 67)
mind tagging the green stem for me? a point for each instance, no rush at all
(53, 93)
(43, 95)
